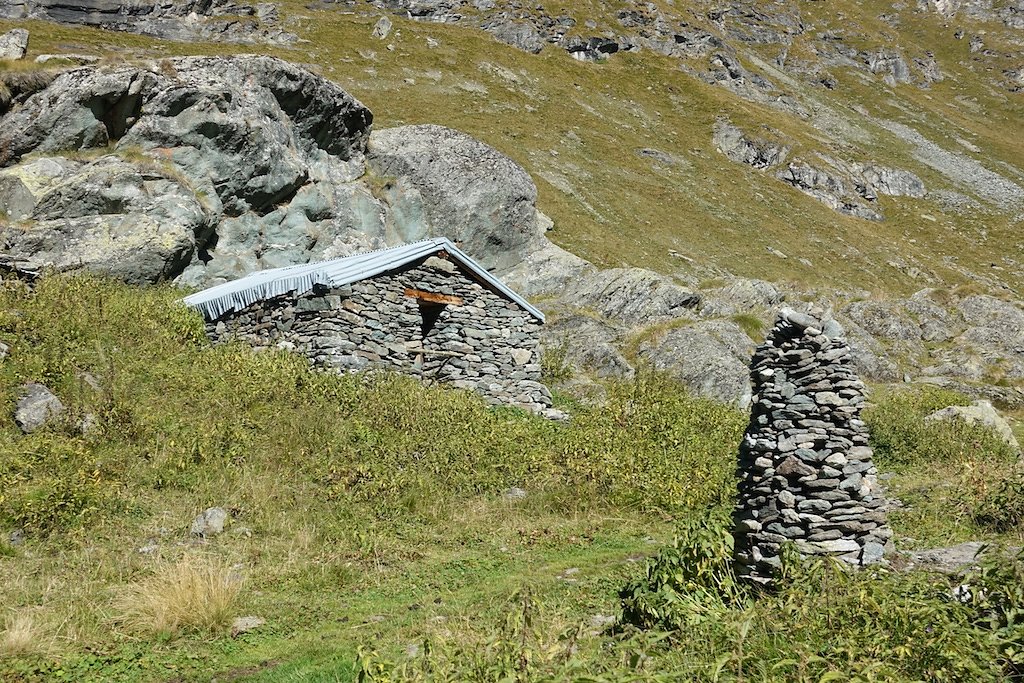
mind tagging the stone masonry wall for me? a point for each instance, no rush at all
(488, 345)
(805, 467)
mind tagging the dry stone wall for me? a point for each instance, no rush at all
(488, 344)
(805, 467)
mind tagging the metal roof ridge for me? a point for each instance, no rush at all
(237, 294)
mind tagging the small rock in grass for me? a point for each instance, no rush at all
(382, 28)
(245, 624)
(514, 493)
(14, 44)
(210, 522)
(36, 406)
(150, 548)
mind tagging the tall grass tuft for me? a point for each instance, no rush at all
(23, 634)
(194, 594)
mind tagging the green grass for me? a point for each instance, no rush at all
(368, 520)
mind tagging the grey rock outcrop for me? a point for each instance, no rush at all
(805, 467)
(447, 180)
(36, 406)
(709, 357)
(892, 182)
(827, 188)
(731, 142)
(520, 34)
(256, 158)
(547, 270)
(843, 186)
(891, 65)
(741, 295)
(632, 296)
(14, 44)
(980, 413)
(185, 20)
(107, 215)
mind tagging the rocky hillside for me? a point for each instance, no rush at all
(705, 163)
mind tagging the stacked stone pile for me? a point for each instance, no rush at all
(805, 467)
(488, 344)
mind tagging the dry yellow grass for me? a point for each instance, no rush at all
(23, 634)
(192, 594)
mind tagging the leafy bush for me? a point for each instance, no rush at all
(824, 621)
(1002, 509)
(688, 582)
(997, 594)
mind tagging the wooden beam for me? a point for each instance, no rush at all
(433, 298)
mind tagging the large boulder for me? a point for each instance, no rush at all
(221, 166)
(449, 183)
(105, 215)
(710, 357)
(980, 413)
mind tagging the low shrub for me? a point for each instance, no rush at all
(194, 594)
(1002, 509)
(822, 620)
(688, 582)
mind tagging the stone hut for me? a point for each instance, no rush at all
(424, 309)
(806, 475)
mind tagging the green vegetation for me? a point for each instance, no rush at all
(958, 481)
(368, 525)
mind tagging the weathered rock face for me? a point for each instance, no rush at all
(247, 162)
(632, 296)
(485, 201)
(13, 44)
(172, 20)
(806, 472)
(106, 215)
(709, 357)
(843, 186)
(488, 345)
(731, 142)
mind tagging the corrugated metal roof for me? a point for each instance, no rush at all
(265, 284)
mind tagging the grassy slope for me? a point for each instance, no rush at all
(366, 516)
(577, 128)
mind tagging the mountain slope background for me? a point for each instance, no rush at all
(563, 120)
